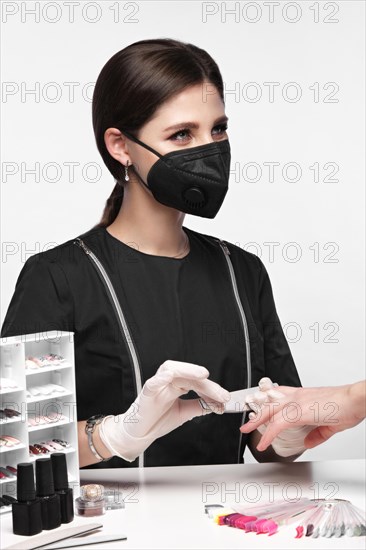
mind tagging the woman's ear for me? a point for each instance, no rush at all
(116, 145)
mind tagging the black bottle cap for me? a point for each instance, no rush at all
(44, 477)
(59, 469)
(25, 482)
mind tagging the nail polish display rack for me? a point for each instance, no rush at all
(52, 415)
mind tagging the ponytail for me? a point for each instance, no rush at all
(112, 206)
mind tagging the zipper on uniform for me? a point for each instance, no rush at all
(120, 317)
(244, 324)
(82, 245)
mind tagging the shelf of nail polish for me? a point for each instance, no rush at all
(37, 402)
(43, 422)
(7, 474)
(8, 416)
(6, 421)
(10, 445)
(51, 368)
(8, 385)
(36, 449)
(42, 393)
(10, 390)
(33, 456)
(35, 362)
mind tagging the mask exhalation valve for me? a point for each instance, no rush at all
(194, 197)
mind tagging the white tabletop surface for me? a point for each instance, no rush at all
(164, 507)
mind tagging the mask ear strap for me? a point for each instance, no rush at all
(141, 143)
(142, 181)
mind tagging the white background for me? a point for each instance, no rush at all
(316, 228)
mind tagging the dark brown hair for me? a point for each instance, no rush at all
(133, 84)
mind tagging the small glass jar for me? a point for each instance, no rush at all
(91, 502)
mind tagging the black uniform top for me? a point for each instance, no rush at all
(181, 309)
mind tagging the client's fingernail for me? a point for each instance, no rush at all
(265, 383)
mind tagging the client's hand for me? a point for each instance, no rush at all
(285, 442)
(158, 410)
(322, 411)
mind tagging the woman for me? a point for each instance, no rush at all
(140, 289)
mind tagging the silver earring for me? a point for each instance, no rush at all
(126, 173)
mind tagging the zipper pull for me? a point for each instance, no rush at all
(81, 244)
(224, 246)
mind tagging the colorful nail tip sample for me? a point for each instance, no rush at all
(6, 414)
(8, 441)
(48, 446)
(7, 384)
(318, 517)
(47, 360)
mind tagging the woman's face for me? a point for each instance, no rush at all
(195, 116)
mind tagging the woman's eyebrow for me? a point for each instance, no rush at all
(194, 125)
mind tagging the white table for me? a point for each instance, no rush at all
(165, 506)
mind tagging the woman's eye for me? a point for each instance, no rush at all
(178, 135)
(222, 127)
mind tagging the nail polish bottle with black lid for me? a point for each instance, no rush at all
(59, 468)
(50, 501)
(26, 512)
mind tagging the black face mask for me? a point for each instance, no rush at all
(193, 180)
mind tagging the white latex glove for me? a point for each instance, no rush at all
(289, 442)
(158, 410)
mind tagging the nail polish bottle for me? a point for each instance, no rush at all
(50, 501)
(26, 512)
(59, 468)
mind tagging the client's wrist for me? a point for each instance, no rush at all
(356, 397)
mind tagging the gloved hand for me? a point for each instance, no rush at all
(290, 441)
(158, 410)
